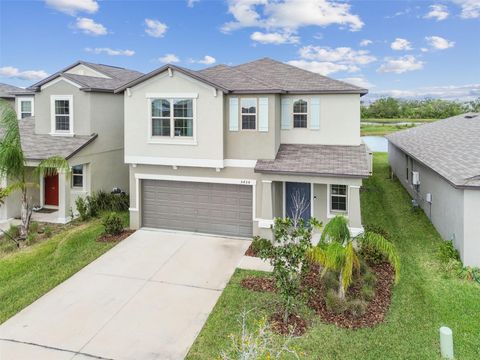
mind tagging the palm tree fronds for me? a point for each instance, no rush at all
(52, 166)
(385, 247)
(336, 230)
(12, 160)
(351, 262)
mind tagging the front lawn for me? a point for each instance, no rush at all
(424, 299)
(27, 274)
(382, 129)
(401, 120)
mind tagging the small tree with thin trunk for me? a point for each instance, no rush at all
(336, 251)
(13, 165)
(300, 205)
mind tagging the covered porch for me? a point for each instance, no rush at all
(306, 181)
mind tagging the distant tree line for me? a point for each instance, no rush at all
(392, 108)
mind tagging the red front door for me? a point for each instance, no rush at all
(51, 190)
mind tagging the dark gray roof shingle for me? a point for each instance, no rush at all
(318, 160)
(118, 77)
(43, 146)
(8, 91)
(450, 147)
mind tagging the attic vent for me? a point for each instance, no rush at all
(470, 116)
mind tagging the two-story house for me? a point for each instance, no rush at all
(75, 114)
(227, 149)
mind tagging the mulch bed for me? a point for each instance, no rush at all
(376, 309)
(296, 325)
(251, 252)
(263, 284)
(115, 238)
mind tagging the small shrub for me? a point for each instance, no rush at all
(82, 208)
(334, 303)
(357, 307)
(448, 252)
(113, 224)
(47, 231)
(31, 238)
(260, 245)
(103, 201)
(34, 227)
(93, 208)
(367, 292)
(14, 231)
(330, 280)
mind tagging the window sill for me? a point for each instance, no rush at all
(170, 141)
(62, 134)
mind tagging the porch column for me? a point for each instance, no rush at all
(267, 204)
(63, 197)
(354, 206)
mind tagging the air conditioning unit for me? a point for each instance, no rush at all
(415, 178)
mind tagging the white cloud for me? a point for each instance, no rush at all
(401, 44)
(340, 54)
(401, 65)
(470, 8)
(207, 60)
(72, 7)
(366, 42)
(289, 15)
(274, 38)
(359, 81)
(191, 3)
(438, 12)
(323, 67)
(439, 43)
(155, 28)
(449, 92)
(111, 52)
(90, 27)
(169, 58)
(12, 72)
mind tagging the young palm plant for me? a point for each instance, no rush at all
(336, 251)
(13, 164)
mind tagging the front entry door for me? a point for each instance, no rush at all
(51, 190)
(298, 200)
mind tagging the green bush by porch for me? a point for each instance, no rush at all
(424, 299)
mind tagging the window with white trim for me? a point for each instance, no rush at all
(62, 114)
(300, 113)
(338, 198)
(26, 108)
(172, 118)
(249, 113)
(77, 176)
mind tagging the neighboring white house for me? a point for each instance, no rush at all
(75, 114)
(227, 149)
(439, 165)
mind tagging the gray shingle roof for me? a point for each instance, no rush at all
(318, 160)
(7, 91)
(43, 146)
(450, 147)
(118, 77)
(262, 76)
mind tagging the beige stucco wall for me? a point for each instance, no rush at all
(252, 144)
(81, 108)
(339, 121)
(209, 120)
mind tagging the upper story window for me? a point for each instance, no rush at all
(338, 198)
(62, 114)
(249, 113)
(25, 107)
(172, 117)
(300, 112)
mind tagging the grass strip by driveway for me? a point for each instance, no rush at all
(31, 272)
(424, 300)
(401, 120)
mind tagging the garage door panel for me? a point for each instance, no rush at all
(223, 209)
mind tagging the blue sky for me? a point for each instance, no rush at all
(400, 48)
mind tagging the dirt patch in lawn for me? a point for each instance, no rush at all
(115, 238)
(263, 284)
(376, 308)
(295, 326)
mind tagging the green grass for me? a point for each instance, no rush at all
(381, 129)
(424, 299)
(29, 273)
(383, 121)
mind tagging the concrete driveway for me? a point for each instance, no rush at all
(147, 298)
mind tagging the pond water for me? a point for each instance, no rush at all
(376, 143)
